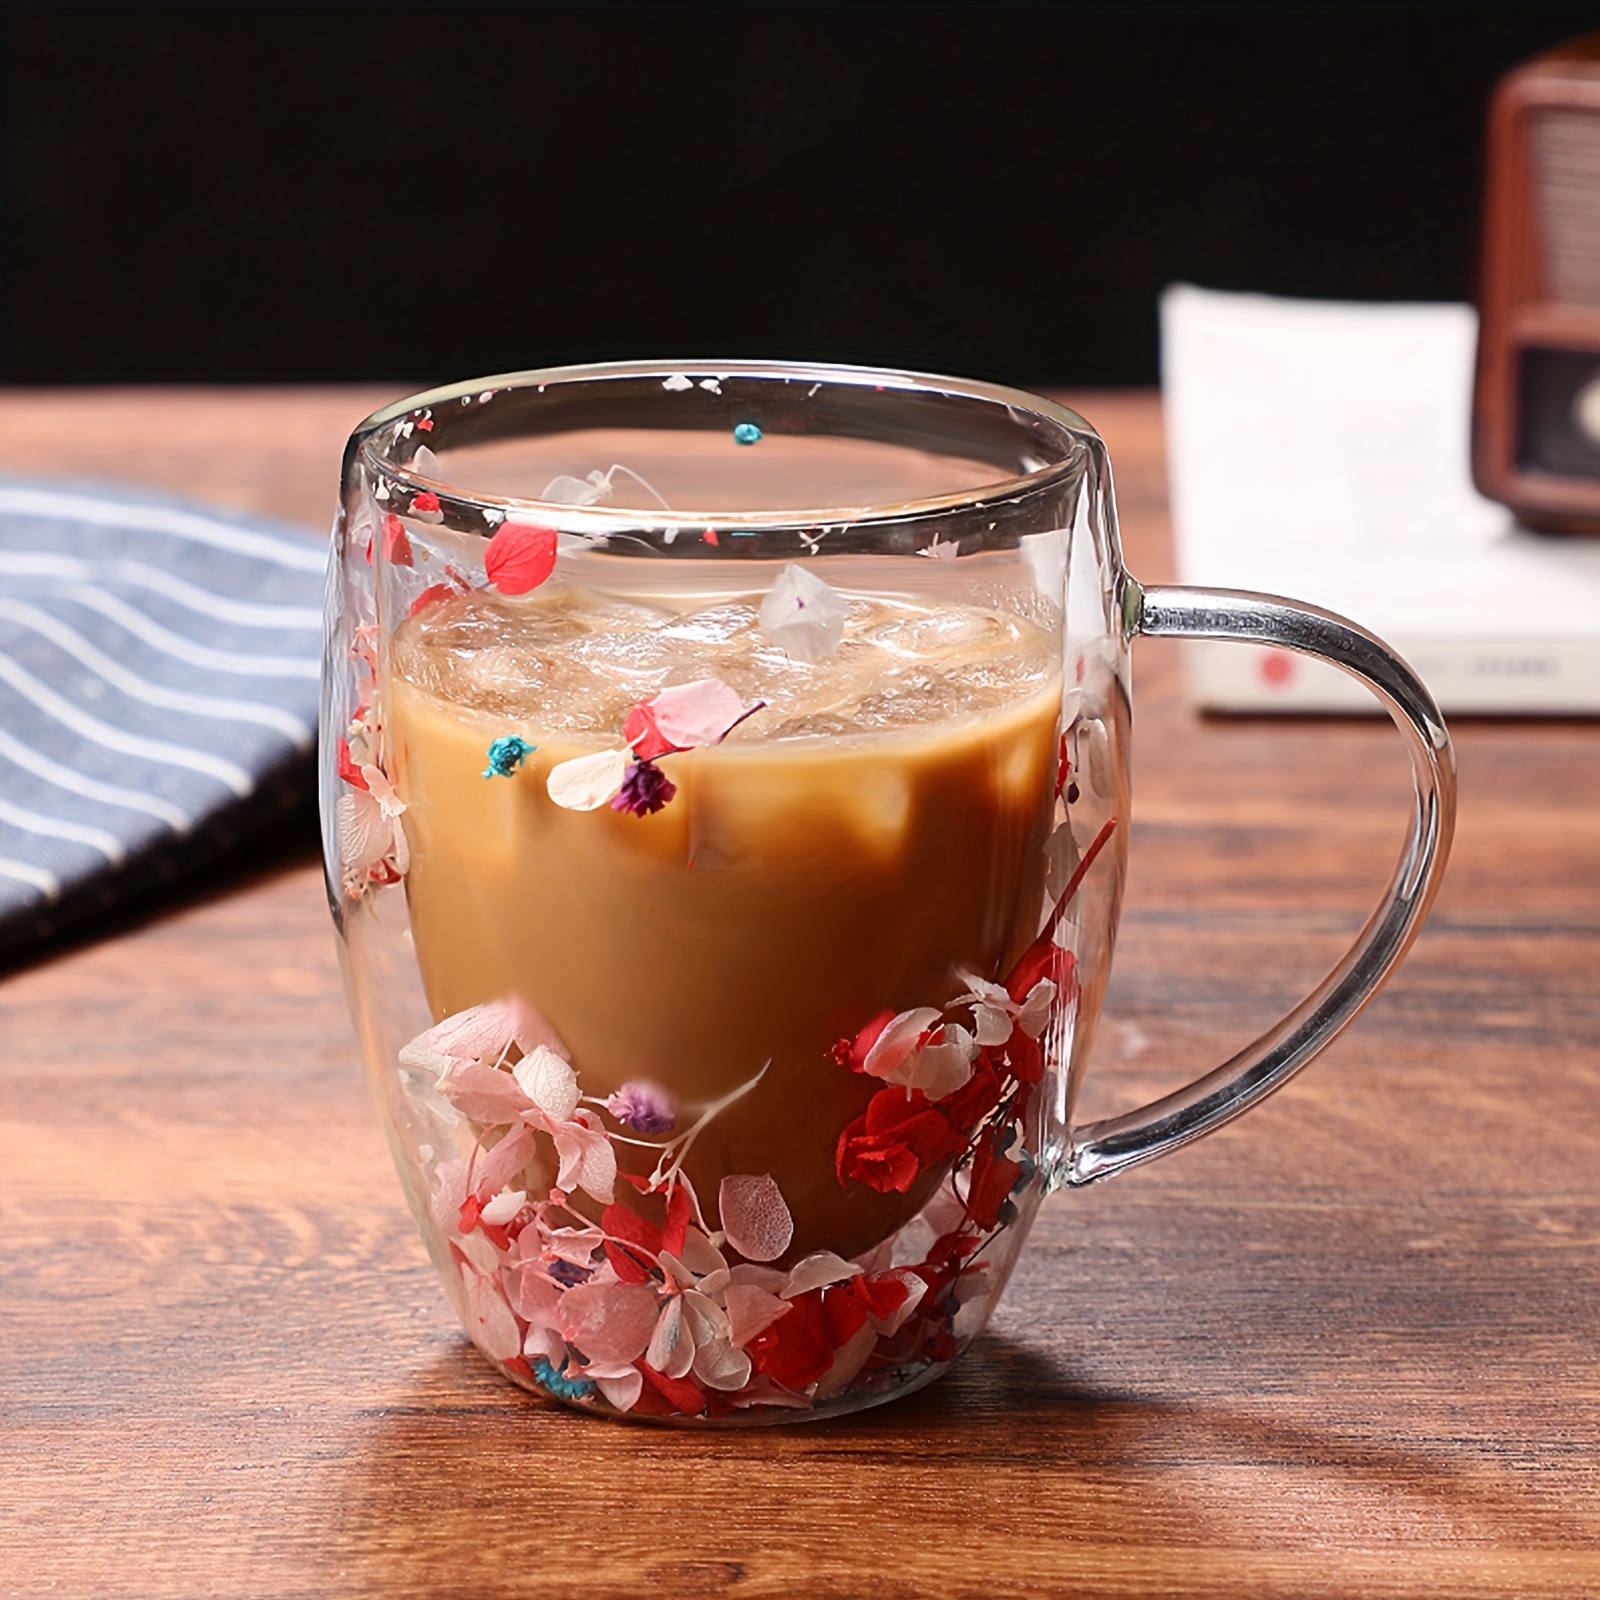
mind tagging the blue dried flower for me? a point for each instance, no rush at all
(506, 755)
(747, 433)
(645, 788)
(558, 1383)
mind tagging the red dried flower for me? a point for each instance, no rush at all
(981, 1093)
(676, 1227)
(1025, 1056)
(520, 557)
(863, 1042)
(897, 1136)
(348, 770)
(430, 596)
(1044, 958)
(882, 1296)
(396, 545)
(624, 1228)
(796, 1349)
(992, 1179)
(844, 1314)
(681, 1394)
(642, 736)
(426, 501)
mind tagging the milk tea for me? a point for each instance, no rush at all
(875, 830)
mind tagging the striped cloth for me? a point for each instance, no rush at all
(158, 693)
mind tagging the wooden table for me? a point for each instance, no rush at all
(1346, 1347)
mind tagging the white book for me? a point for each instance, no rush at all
(1320, 450)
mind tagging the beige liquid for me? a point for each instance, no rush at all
(878, 826)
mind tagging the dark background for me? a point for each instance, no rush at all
(420, 193)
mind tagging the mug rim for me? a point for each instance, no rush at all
(599, 519)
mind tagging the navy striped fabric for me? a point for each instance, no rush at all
(158, 692)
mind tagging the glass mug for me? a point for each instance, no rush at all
(725, 795)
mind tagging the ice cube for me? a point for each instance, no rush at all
(715, 625)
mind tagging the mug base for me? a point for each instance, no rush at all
(857, 1397)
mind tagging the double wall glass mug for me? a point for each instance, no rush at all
(725, 786)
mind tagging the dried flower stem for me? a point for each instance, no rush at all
(1098, 844)
(685, 1141)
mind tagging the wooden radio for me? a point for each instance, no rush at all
(1536, 407)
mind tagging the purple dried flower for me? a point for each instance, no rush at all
(645, 788)
(644, 1108)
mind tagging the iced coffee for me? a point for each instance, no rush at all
(865, 844)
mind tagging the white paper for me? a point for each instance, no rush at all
(1320, 450)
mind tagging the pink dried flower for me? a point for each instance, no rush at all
(677, 719)
(684, 718)
(691, 714)
(755, 1216)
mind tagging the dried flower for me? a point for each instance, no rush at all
(349, 768)
(803, 616)
(795, 1350)
(585, 783)
(643, 1107)
(549, 1082)
(755, 1216)
(520, 557)
(432, 595)
(994, 1175)
(681, 718)
(587, 1160)
(396, 544)
(482, 1033)
(916, 1051)
(506, 755)
(685, 717)
(372, 843)
(558, 1383)
(898, 1135)
(665, 1396)
(645, 789)
(609, 1322)
(644, 738)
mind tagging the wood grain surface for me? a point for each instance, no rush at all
(1345, 1347)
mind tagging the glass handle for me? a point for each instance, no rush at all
(1100, 1149)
